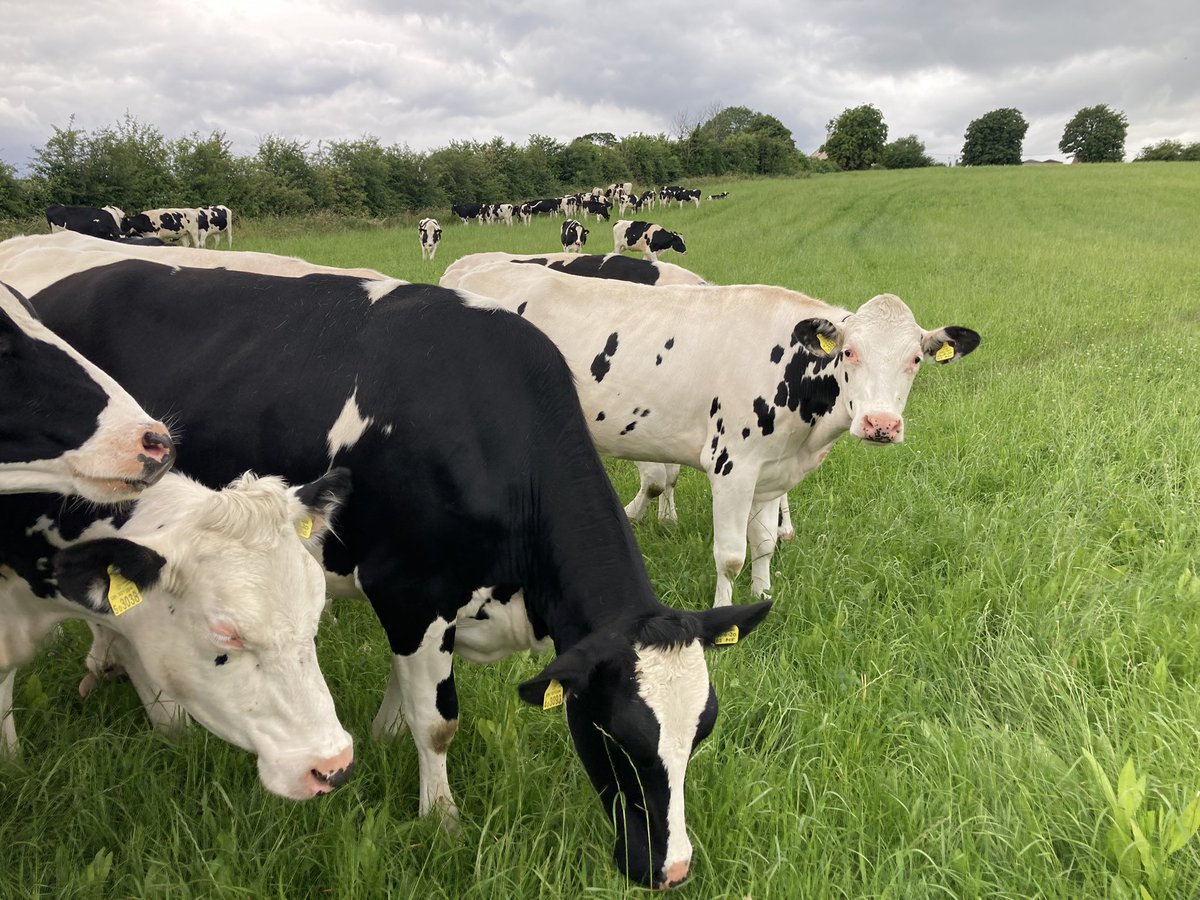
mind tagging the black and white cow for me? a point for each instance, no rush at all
(100, 222)
(647, 237)
(214, 598)
(721, 196)
(430, 234)
(65, 425)
(751, 384)
(546, 206)
(216, 220)
(171, 225)
(485, 474)
(573, 236)
(682, 195)
(589, 265)
(598, 208)
(467, 211)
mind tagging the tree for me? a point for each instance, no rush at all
(1169, 151)
(994, 139)
(856, 137)
(905, 153)
(1096, 134)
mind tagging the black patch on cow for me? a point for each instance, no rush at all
(645, 412)
(745, 433)
(447, 699)
(222, 659)
(602, 363)
(658, 360)
(521, 307)
(715, 441)
(728, 468)
(716, 405)
(669, 344)
(776, 353)
(721, 461)
(720, 426)
(628, 428)
(538, 261)
(636, 410)
(766, 415)
(448, 640)
(600, 416)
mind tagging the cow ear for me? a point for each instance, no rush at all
(819, 337)
(717, 624)
(321, 499)
(949, 343)
(106, 575)
(572, 670)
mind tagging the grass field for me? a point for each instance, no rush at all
(962, 624)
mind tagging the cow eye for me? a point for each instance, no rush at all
(916, 360)
(850, 354)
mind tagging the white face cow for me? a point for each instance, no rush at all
(66, 426)
(230, 600)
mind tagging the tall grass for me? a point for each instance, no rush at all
(959, 620)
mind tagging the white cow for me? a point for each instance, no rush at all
(610, 265)
(216, 220)
(430, 234)
(751, 384)
(214, 598)
(168, 224)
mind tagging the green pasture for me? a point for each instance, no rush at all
(980, 678)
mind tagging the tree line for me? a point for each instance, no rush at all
(132, 165)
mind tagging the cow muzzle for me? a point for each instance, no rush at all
(879, 428)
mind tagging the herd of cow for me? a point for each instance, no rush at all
(444, 445)
(154, 227)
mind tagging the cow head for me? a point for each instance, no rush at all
(66, 426)
(676, 243)
(218, 596)
(638, 703)
(879, 349)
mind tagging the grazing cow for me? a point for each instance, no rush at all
(168, 224)
(751, 384)
(216, 220)
(589, 265)
(683, 195)
(647, 199)
(98, 222)
(598, 208)
(569, 205)
(573, 235)
(430, 233)
(647, 237)
(720, 196)
(525, 212)
(546, 206)
(65, 425)
(214, 595)
(467, 211)
(503, 212)
(501, 485)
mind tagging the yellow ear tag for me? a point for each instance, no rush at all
(553, 696)
(123, 594)
(727, 637)
(304, 528)
(946, 352)
(826, 344)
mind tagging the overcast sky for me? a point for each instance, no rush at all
(474, 70)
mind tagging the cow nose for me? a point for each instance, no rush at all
(337, 777)
(676, 874)
(882, 428)
(157, 445)
(330, 774)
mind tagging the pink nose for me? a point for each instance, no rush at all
(676, 874)
(882, 428)
(329, 774)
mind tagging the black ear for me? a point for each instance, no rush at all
(322, 499)
(819, 337)
(949, 343)
(82, 570)
(719, 620)
(572, 670)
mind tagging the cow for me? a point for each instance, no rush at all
(67, 252)
(482, 472)
(751, 384)
(589, 265)
(547, 206)
(98, 222)
(65, 425)
(503, 212)
(171, 225)
(216, 220)
(598, 208)
(647, 199)
(721, 196)
(525, 213)
(683, 195)
(430, 234)
(573, 236)
(647, 237)
(467, 211)
(215, 597)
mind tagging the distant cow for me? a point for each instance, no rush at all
(430, 233)
(612, 266)
(467, 211)
(216, 220)
(171, 225)
(547, 206)
(720, 196)
(574, 236)
(684, 194)
(100, 222)
(646, 237)
(598, 208)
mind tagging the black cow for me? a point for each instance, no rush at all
(647, 237)
(467, 211)
(684, 194)
(99, 222)
(573, 236)
(472, 465)
(598, 208)
(66, 426)
(547, 205)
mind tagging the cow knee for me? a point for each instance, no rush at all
(732, 565)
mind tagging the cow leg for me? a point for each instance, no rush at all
(763, 532)
(8, 728)
(423, 684)
(731, 512)
(787, 530)
(666, 500)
